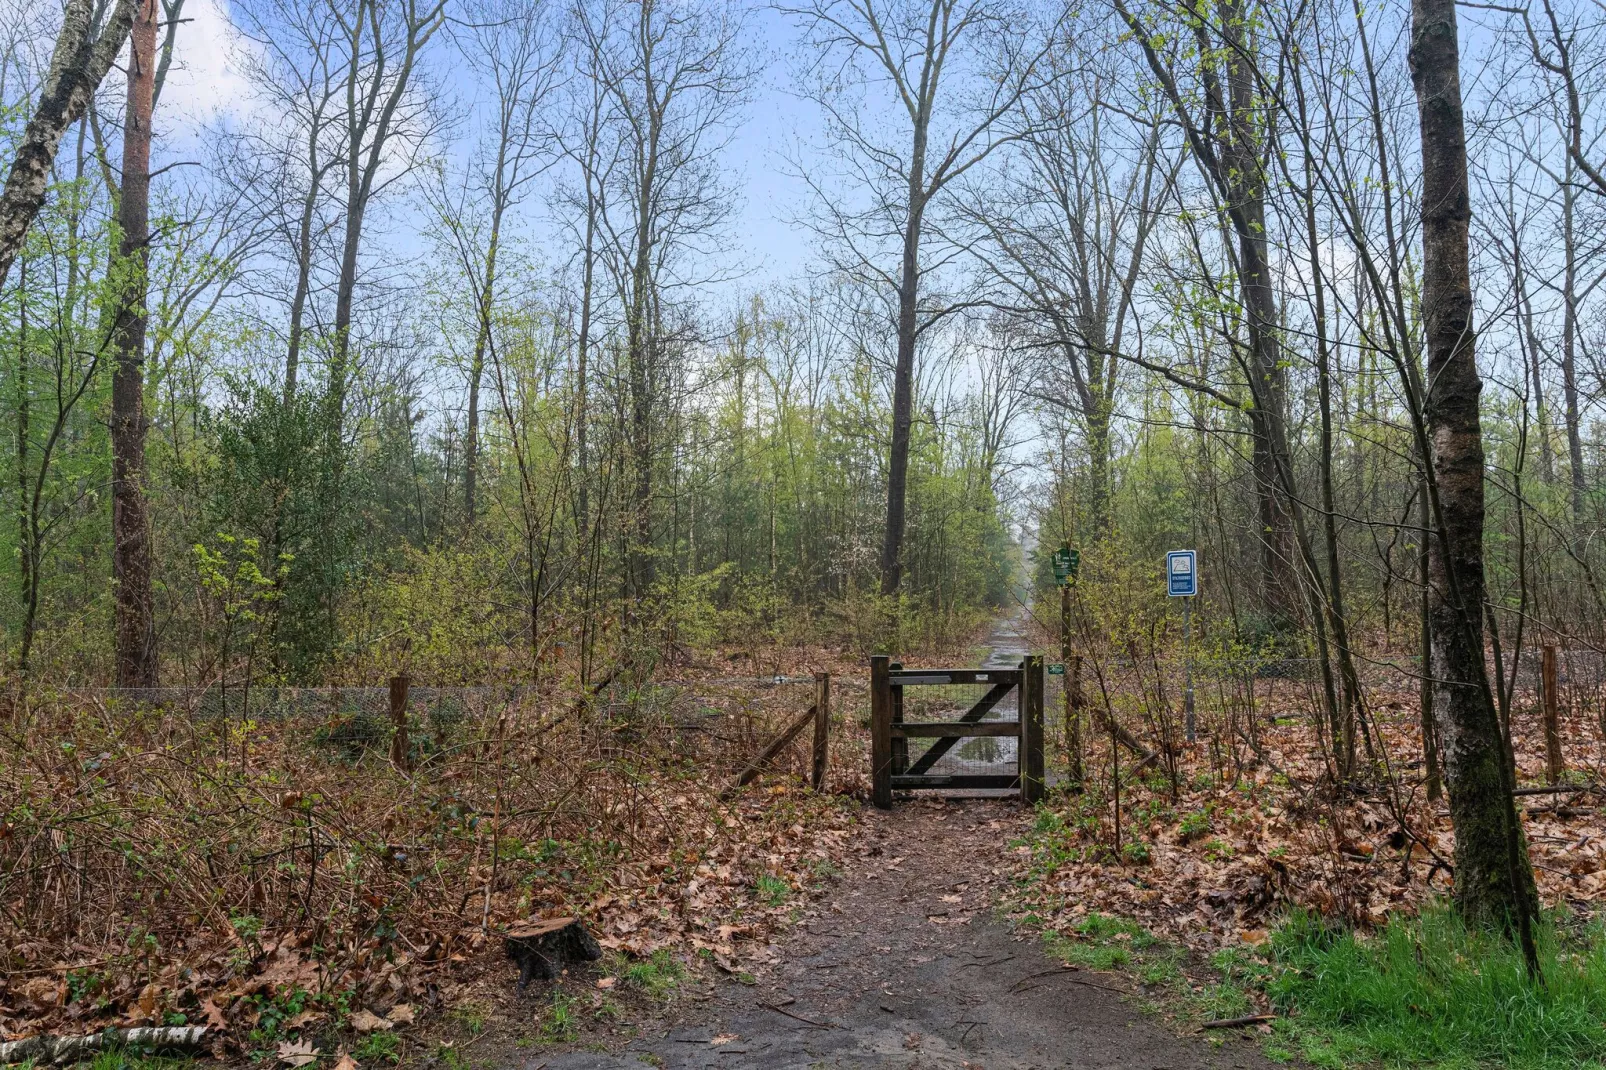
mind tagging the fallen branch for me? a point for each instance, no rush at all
(1238, 1023)
(54, 1049)
(796, 1017)
(1554, 789)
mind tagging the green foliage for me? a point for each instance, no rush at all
(561, 1022)
(1194, 825)
(1429, 992)
(657, 976)
(773, 890)
(378, 1046)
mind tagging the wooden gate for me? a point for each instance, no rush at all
(890, 768)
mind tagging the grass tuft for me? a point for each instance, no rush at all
(1429, 992)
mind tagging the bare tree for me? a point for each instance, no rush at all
(385, 117)
(509, 46)
(1064, 232)
(674, 77)
(1229, 130)
(955, 71)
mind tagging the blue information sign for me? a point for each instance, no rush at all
(1181, 573)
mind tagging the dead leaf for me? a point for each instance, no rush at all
(368, 1022)
(346, 1062)
(297, 1053)
(724, 1038)
(606, 983)
(401, 1014)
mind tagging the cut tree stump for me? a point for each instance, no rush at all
(543, 948)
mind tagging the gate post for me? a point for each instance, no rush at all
(880, 732)
(822, 729)
(1031, 729)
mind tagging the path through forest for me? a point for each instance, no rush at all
(905, 964)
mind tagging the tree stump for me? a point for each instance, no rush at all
(543, 948)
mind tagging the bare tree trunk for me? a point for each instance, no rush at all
(1569, 347)
(25, 550)
(1493, 879)
(476, 369)
(903, 373)
(78, 64)
(134, 624)
(581, 385)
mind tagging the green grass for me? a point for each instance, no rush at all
(1426, 992)
(656, 976)
(773, 890)
(561, 1023)
(378, 1047)
(120, 1059)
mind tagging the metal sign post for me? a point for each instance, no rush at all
(1067, 564)
(1182, 581)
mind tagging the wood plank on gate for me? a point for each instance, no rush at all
(982, 707)
(954, 676)
(954, 729)
(959, 780)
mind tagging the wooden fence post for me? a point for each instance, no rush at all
(822, 729)
(900, 746)
(1552, 706)
(399, 743)
(880, 732)
(1031, 729)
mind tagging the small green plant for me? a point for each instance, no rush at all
(1218, 851)
(773, 890)
(383, 1047)
(561, 1023)
(471, 1016)
(1194, 825)
(1136, 852)
(450, 1057)
(274, 1010)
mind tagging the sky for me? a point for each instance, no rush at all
(206, 85)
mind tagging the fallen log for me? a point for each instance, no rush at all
(57, 1050)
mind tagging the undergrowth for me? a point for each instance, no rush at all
(1428, 992)
(1424, 992)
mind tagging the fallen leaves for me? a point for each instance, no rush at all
(295, 1053)
(223, 853)
(369, 1022)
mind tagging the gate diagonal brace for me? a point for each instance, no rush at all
(942, 746)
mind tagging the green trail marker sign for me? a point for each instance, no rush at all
(1057, 669)
(1067, 563)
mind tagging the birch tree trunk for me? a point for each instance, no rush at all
(1493, 879)
(77, 64)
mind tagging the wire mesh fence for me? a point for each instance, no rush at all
(445, 705)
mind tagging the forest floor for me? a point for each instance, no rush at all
(905, 962)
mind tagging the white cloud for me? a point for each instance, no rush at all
(206, 82)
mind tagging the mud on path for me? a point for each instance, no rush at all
(903, 963)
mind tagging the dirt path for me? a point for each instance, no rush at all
(903, 964)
